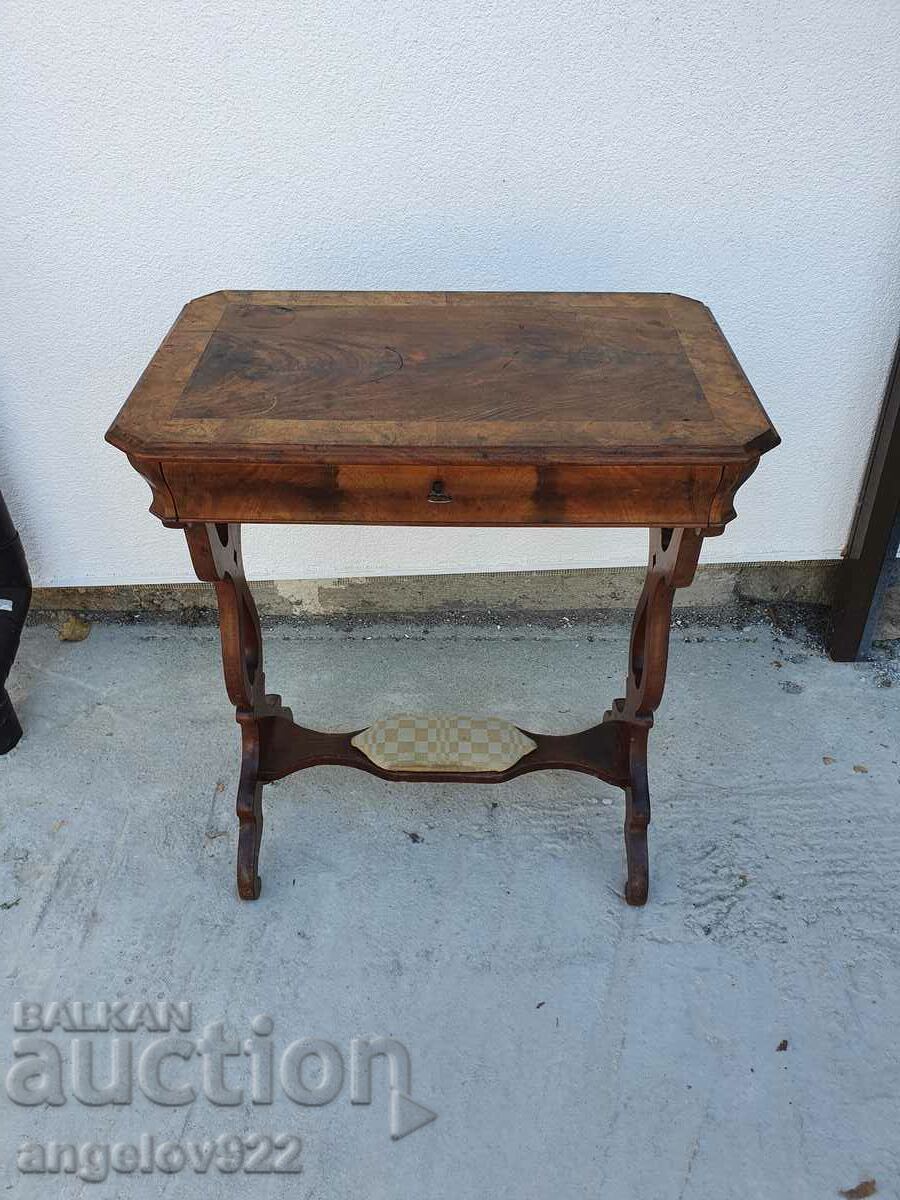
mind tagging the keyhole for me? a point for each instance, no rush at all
(437, 495)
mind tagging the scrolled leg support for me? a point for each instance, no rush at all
(673, 560)
(272, 746)
(249, 814)
(216, 555)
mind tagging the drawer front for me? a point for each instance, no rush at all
(446, 495)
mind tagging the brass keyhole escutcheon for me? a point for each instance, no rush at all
(437, 495)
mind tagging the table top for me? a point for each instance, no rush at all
(474, 377)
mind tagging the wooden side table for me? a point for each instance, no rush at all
(415, 408)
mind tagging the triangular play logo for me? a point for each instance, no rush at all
(407, 1115)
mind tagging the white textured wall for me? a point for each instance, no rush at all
(743, 153)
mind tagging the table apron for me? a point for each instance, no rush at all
(694, 494)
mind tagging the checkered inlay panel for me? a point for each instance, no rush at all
(443, 743)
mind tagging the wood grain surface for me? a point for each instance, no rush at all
(443, 409)
(440, 495)
(468, 377)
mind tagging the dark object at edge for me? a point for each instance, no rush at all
(874, 537)
(15, 587)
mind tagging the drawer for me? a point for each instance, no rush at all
(644, 494)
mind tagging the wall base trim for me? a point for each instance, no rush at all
(520, 593)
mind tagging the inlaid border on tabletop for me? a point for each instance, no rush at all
(732, 426)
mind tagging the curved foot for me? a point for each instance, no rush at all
(637, 885)
(637, 818)
(249, 888)
(249, 814)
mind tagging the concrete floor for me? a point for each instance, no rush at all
(570, 1046)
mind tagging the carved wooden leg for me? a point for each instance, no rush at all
(216, 555)
(673, 561)
(637, 818)
(249, 813)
